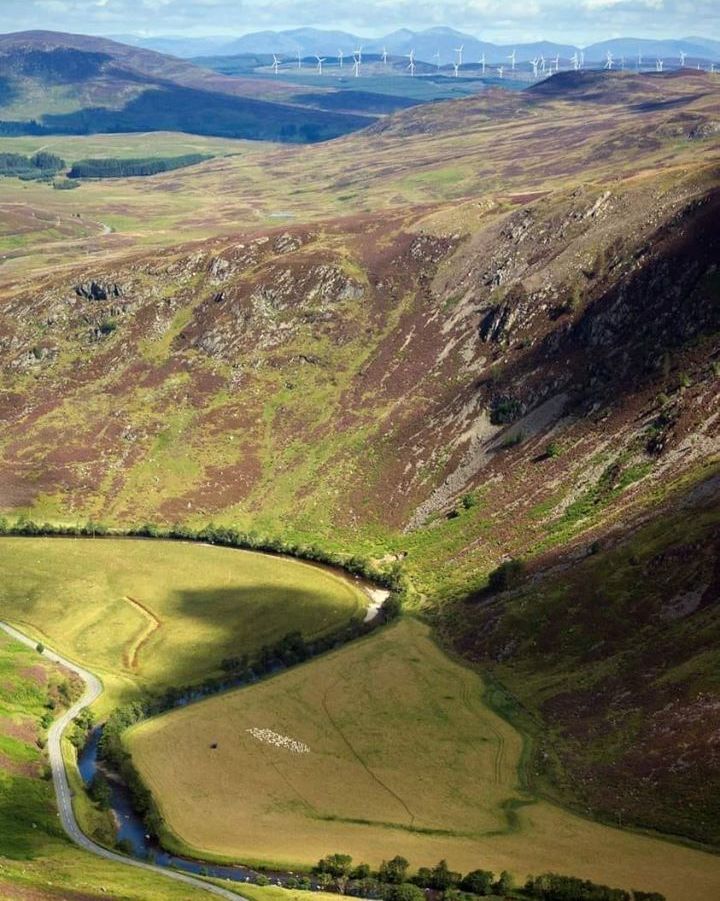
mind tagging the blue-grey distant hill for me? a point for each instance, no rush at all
(80, 84)
(427, 44)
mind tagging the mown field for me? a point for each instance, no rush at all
(405, 756)
(37, 861)
(155, 614)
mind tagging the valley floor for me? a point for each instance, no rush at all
(404, 757)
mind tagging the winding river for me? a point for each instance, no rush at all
(174, 868)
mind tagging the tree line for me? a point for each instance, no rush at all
(132, 168)
(29, 168)
(391, 578)
(393, 881)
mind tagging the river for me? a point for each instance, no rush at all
(131, 829)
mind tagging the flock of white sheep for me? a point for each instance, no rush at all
(279, 741)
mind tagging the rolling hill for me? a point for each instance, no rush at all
(54, 83)
(486, 331)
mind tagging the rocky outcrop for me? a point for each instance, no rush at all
(93, 290)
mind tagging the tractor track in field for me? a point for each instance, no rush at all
(499, 758)
(362, 763)
(61, 783)
(153, 624)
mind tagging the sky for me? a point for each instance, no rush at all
(575, 21)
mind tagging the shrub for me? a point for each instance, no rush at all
(504, 410)
(513, 440)
(443, 878)
(553, 450)
(469, 501)
(505, 884)
(65, 184)
(478, 882)
(393, 871)
(406, 891)
(335, 865)
(99, 790)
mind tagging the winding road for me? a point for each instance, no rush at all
(93, 690)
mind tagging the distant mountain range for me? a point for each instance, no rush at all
(427, 44)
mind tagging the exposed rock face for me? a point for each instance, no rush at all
(98, 290)
(497, 323)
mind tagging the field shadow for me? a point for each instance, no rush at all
(232, 622)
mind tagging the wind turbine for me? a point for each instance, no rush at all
(299, 58)
(356, 66)
(384, 56)
(582, 59)
(575, 60)
(609, 60)
(320, 61)
(456, 66)
(512, 56)
(640, 59)
(542, 64)
(459, 51)
(411, 66)
(659, 63)
(482, 62)
(341, 57)
(683, 56)
(557, 62)
(358, 53)
(436, 56)
(500, 70)
(275, 64)
(535, 63)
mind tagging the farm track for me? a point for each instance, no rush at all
(499, 759)
(362, 763)
(93, 690)
(153, 624)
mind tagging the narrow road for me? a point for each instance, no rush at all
(93, 690)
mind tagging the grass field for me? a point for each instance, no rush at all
(404, 757)
(36, 860)
(149, 614)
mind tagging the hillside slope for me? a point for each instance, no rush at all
(54, 83)
(511, 350)
(611, 660)
(358, 378)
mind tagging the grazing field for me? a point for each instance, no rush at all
(148, 614)
(37, 861)
(405, 756)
